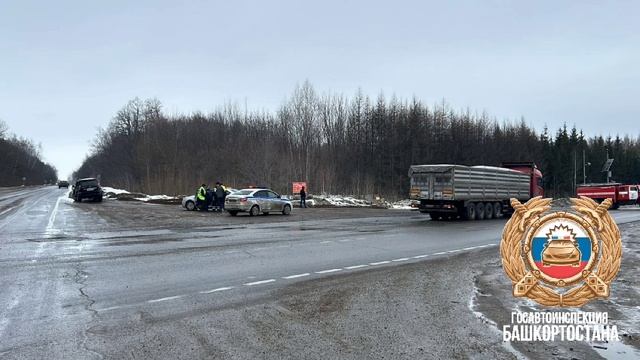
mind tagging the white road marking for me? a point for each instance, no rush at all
(420, 256)
(109, 308)
(52, 218)
(440, 253)
(165, 299)
(379, 263)
(452, 251)
(325, 242)
(296, 276)
(6, 211)
(355, 267)
(216, 290)
(401, 259)
(259, 282)
(470, 248)
(328, 271)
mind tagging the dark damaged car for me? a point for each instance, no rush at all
(88, 188)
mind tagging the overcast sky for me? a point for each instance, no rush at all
(66, 67)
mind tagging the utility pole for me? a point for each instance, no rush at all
(584, 167)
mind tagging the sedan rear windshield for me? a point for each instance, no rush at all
(243, 192)
(89, 183)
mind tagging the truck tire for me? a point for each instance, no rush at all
(480, 211)
(497, 210)
(488, 211)
(470, 211)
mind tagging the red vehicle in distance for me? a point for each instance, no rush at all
(620, 194)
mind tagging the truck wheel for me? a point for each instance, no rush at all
(470, 212)
(497, 210)
(434, 216)
(480, 211)
(488, 211)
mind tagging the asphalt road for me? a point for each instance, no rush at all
(72, 275)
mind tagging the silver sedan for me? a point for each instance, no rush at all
(256, 201)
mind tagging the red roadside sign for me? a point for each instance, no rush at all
(297, 186)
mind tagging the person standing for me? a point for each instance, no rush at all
(303, 197)
(220, 195)
(201, 198)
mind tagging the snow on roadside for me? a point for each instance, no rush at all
(155, 197)
(339, 201)
(106, 190)
(121, 194)
(401, 205)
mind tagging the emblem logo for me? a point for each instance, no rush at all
(561, 258)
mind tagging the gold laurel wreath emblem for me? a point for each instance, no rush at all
(595, 283)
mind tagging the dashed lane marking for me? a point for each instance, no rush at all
(267, 281)
(217, 290)
(165, 299)
(296, 276)
(260, 282)
(328, 271)
(355, 267)
(380, 263)
(6, 211)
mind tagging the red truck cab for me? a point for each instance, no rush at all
(620, 194)
(529, 168)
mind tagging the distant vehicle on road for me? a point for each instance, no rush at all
(256, 201)
(86, 189)
(473, 192)
(189, 202)
(63, 184)
(620, 194)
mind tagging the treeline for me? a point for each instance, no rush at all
(336, 144)
(21, 158)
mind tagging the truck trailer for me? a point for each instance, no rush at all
(620, 194)
(447, 191)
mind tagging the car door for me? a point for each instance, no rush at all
(262, 198)
(276, 202)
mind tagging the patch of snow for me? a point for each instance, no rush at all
(107, 189)
(401, 205)
(340, 201)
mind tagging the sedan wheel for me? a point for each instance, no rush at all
(286, 210)
(190, 205)
(254, 210)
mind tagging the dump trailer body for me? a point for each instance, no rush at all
(445, 189)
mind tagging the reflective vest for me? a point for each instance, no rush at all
(202, 193)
